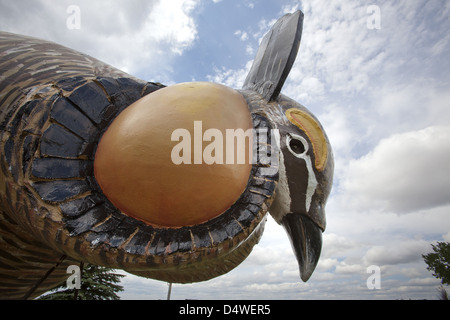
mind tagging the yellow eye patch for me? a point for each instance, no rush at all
(309, 125)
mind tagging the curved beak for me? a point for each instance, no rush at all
(306, 241)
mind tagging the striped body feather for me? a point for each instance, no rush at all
(36, 77)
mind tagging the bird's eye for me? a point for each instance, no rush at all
(297, 145)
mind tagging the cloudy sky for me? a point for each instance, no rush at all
(377, 75)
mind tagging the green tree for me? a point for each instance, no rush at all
(97, 283)
(439, 261)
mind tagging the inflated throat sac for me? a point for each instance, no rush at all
(164, 159)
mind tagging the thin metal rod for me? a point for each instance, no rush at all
(75, 294)
(170, 290)
(29, 293)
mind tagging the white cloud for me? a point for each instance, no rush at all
(131, 36)
(409, 105)
(229, 77)
(335, 245)
(343, 268)
(396, 253)
(447, 236)
(170, 22)
(249, 50)
(250, 4)
(404, 173)
(243, 36)
(337, 123)
(336, 46)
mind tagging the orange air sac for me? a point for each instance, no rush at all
(154, 161)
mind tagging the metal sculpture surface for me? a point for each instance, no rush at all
(62, 117)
